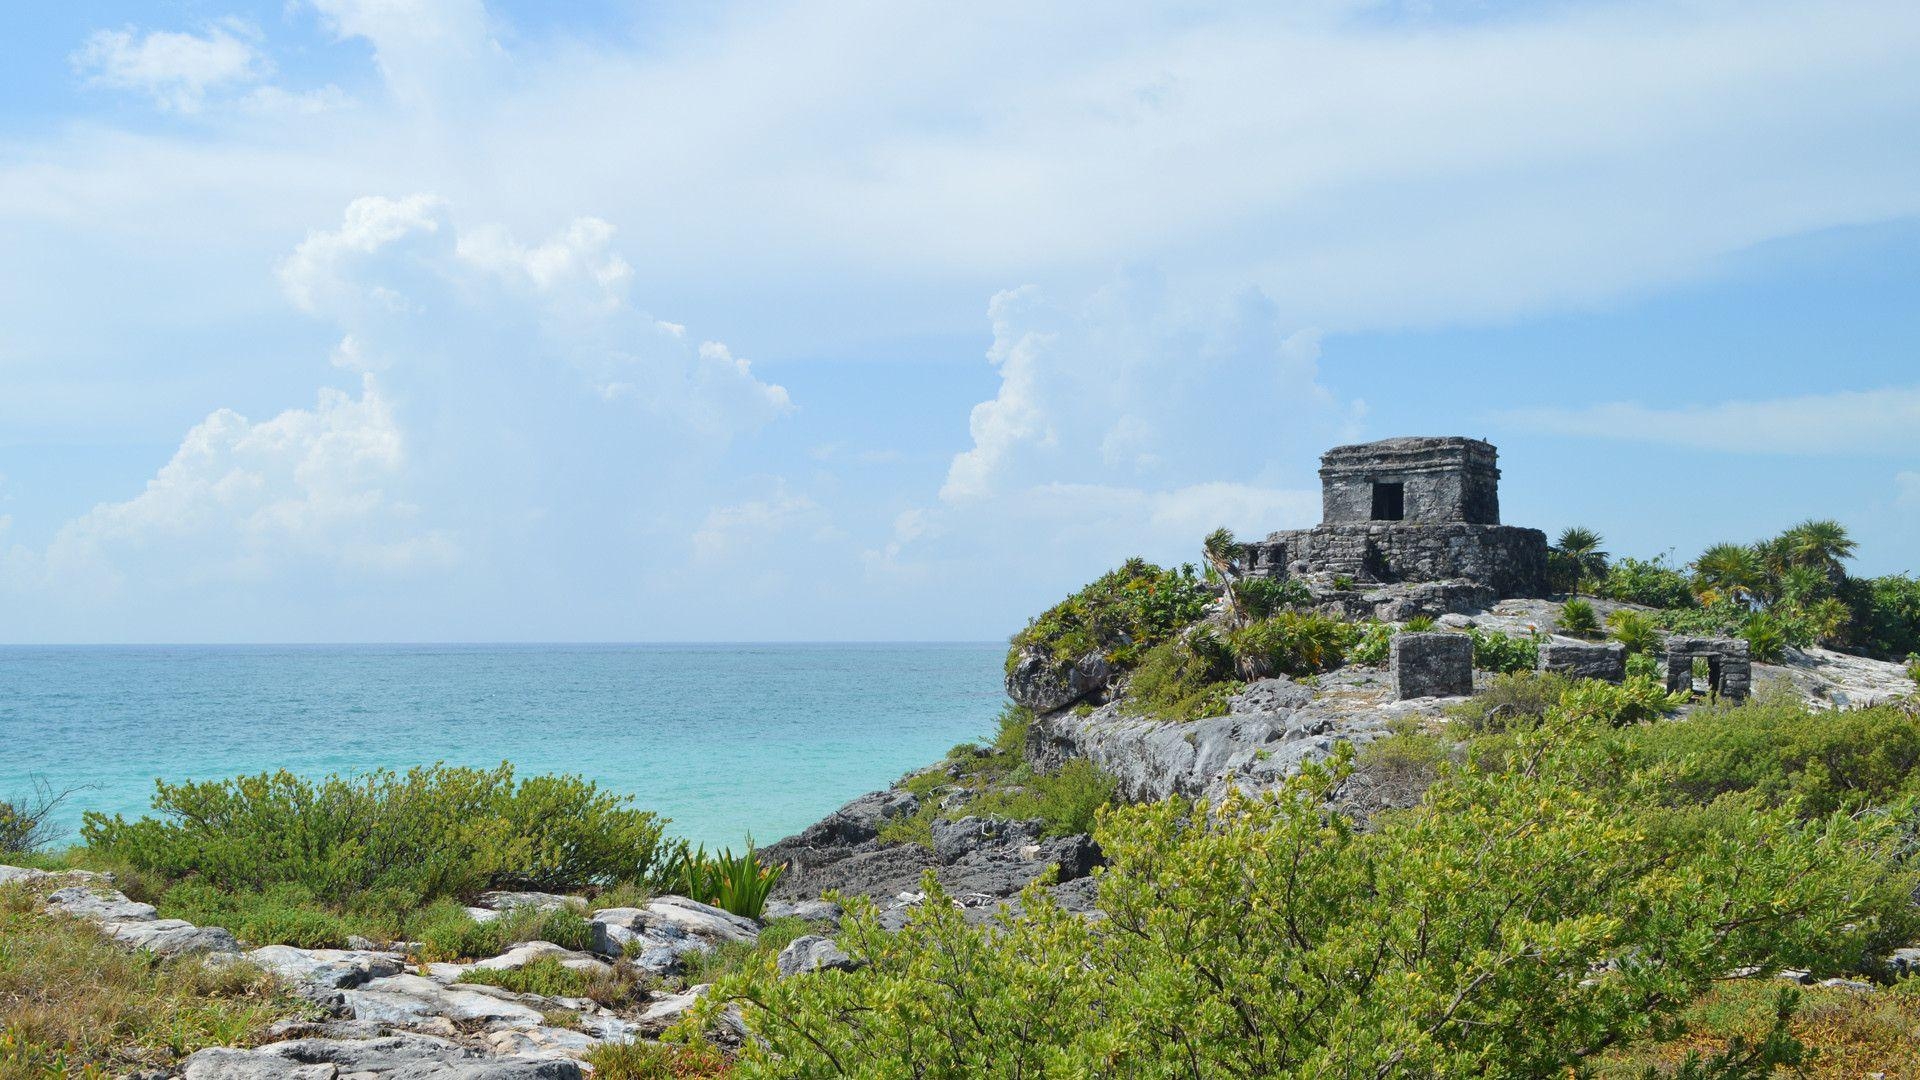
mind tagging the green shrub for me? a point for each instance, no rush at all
(1635, 701)
(431, 832)
(1290, 643)
(1513, 701)
(1885, 618)
(641, 1060)
(1419, 624)
(1649, 582)
(545, 976)
(1184, 679)
(1635, 630)
(26, 822)
(286, 914)
(736, 883)
(1372, 643)
(1010, 734)
(1120, 616)
(446, 932)
(1511, 924)
(1260, 597)
(1578, 619)
(733, 957)
(1767, 636)
(1068, 800)
(1495, 651)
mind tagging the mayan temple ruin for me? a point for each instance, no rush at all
(1412, 522)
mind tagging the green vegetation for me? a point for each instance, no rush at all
(1372, 643)
(1634, 629)
(1517, 701)
(1290, 643)
(1845, 1034)
(1184, 679)
(76, 1004)
(547, 976)
(996, 779)
(638, 1060)
(1649, 582)
(1578, 619)
(736, 883)
(1564, 894)
(26, 823)
(429, 833)
(734, 957)
(1120, 616)
(1495, 651)
(1576, 561)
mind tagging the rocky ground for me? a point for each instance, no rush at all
(377, 1012)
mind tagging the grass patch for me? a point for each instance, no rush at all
(75, 1003)
(548, 977)
(656, 1061)
(1846, 1033)
(733, 957)
(1119, 616)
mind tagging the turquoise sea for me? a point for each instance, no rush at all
(723, 739)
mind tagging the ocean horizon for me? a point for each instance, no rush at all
(726, 739)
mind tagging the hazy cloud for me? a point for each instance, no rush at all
(1848, 422)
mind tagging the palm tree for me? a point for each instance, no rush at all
(1223, 554)
(1730, 571)
(1581, 547)
(1821, 545)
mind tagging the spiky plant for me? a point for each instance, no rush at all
(1733, 572)
(1820, 545)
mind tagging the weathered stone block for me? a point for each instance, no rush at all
(1435, 664)
(1584, 659)
(1729, 665)
(1420, 480)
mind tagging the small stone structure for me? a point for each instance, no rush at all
(1414, 510)
(1584, 659)
(1435, 664)
(1729, 665)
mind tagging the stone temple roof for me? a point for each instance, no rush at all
(1410, 444)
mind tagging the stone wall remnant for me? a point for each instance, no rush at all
(1605, 660)
(1432, 664)
(1729, 665)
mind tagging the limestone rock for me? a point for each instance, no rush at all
(814, 911)
(527, 952)
(1436, 664)
(82, 902)
(408, 1057)
(814, 953)
(171, 937)
(539, 901)
(327, 969)
(1606, 660)
(1040, 683)
(860, 819)
(409, 999)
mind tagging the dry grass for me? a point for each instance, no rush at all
(72, 1003)
(1849, 1034)
(656, 1061)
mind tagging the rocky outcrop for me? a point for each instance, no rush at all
(814, 953)
(659, 936)
(410, 1057)
(137, 925)
(1042, 684)
(1271, 727)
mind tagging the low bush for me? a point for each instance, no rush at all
(736, 883)
(1067, 800)
(279, 915)
(26, 822)
(1260, 597)
(733, 957)
(1498, 652)
(1187, 678)
(548, 977)
(1291, 643)
(1514, 701)
(1634, 701)
(1372, 643)
(1636, 630)
(445, 932)
(1511, 924)
(1120, 615)
(1649, 582)
(428, 833)
(641, 1060)
(1578, 619)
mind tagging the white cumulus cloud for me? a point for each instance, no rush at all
(176, 69)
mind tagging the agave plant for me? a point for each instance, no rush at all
(736, 883)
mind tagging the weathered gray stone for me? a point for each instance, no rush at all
(410, 999)
(527, 952)
(1729, 665)
(1423, 480)
(407, 1057)
(171, 937)
(814, 953)
(539, 901)
(327, 969)
(1606, 660)
(83, 902)
(1434, 664)
(1042, 684)
(860, 819)
(815, 911)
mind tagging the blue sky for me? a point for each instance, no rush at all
(397, 320)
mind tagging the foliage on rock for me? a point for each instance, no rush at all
(1513, 924)
(1120, 615)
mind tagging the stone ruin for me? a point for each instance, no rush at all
(1729, 665)
(1605, 660)
(1410, 526)
(1433, 664)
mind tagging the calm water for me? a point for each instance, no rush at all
(723, 739)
